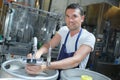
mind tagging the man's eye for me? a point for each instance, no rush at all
(74, 15)
(67, 16)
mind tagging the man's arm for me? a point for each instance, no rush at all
(53, 43)
(74, 61)
(67, 63)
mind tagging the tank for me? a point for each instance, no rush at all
(16, 69)
(75, 74)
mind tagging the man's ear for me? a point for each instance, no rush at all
(82, 18)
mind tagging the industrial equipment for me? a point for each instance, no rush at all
(106, 56)
(21, 25)
(25, 30)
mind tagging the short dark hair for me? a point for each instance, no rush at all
(76, 6)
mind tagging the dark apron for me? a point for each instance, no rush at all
(63, 53)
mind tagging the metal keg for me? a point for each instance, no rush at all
(16, 69)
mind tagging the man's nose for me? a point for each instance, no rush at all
(70, 19)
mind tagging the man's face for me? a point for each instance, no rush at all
(73, 19)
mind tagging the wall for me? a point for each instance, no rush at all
(0, 4)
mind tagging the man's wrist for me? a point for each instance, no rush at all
(44, 67)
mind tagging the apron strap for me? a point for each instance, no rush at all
(66, 38)
(78, 39)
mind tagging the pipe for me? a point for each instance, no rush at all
(50, 5)
(34, 9)
(34, 45)
(49, 56)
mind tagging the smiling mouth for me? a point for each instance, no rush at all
(71, 24)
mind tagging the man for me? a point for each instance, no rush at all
(76, 43)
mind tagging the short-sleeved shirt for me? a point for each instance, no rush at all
(86, 38)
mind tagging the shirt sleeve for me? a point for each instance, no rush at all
(90, 41)
(63, 31)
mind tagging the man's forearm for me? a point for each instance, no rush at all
(42, 50)
(63, 64)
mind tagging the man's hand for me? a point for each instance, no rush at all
(32, 69)
(35, 69)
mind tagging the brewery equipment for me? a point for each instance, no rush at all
(24, 28)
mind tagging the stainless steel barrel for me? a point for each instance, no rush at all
(75, 74)
(15, 69)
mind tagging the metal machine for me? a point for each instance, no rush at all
(21, 25)
(25, 30)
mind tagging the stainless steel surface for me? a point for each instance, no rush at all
(75, 74)
(22, 24)
(10, 79)
(42, 22)
(15, 69)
